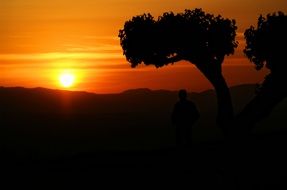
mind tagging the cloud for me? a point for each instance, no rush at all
(90, 49)
(60, 55)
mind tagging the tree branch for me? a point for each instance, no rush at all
(165, 61)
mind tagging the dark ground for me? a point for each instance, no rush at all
(258, 162)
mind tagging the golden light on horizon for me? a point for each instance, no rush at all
(67, 79)
(74, 44)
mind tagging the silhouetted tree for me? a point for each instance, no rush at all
(202, 39)
(266, 45)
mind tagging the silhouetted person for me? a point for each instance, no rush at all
(184, 115)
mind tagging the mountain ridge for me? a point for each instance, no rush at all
(127, 91)
(43, 100)
(139, 119)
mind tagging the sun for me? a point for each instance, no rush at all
(67, 80)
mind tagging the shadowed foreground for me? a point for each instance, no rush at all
(259, 162)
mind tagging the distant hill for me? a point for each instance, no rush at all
(41, 100)
(71, 121)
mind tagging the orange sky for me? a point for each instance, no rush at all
(41, 39)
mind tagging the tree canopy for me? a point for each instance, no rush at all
(193, 35)
(266, 44)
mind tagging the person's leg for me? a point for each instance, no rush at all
(180, 136)
(188, 137)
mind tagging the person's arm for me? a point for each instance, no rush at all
(197, 114)
(174, 115)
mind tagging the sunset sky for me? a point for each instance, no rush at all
(42, 39)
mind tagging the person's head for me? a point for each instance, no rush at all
(182, 94)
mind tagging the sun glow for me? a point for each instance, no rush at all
(67, 79)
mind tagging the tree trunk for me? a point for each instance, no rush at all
(225, 113)
(270, 95)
